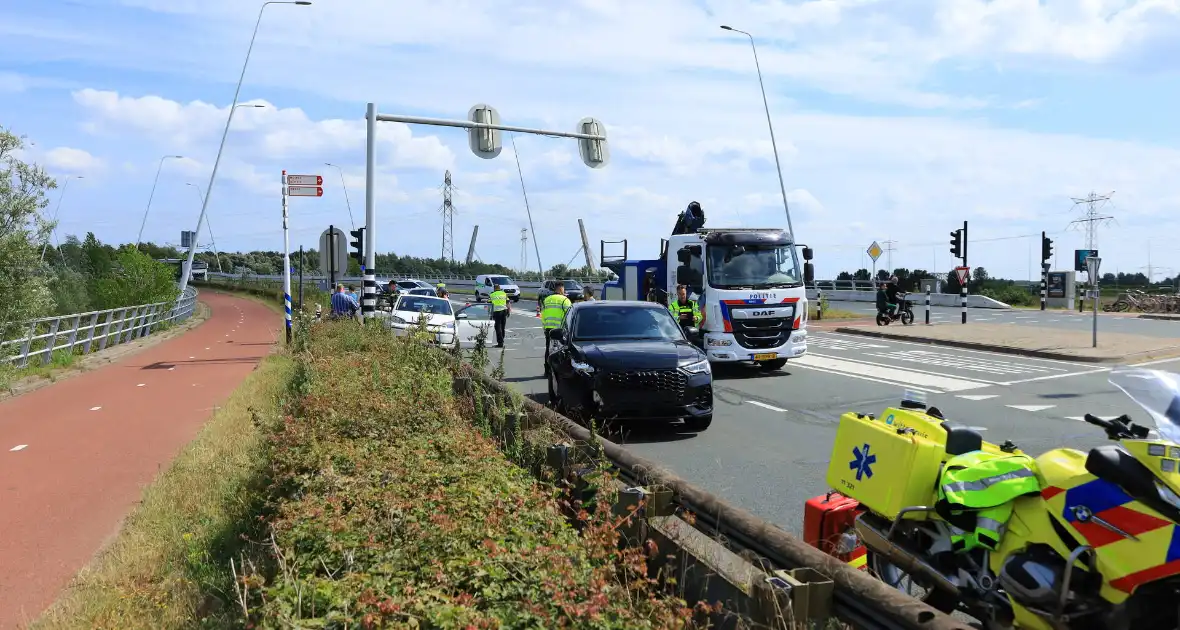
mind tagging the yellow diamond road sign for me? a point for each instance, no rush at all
(874, 251)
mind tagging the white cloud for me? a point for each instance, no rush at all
(72, 161)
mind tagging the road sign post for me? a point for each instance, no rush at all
(874, 252)
(484, 130)
(333, 253)
(1092, 264)
(294, 186)
(964, 274)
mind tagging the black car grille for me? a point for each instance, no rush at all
(704, 399)
(667, 384)
(757, 334)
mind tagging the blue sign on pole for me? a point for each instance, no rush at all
(1080, 256)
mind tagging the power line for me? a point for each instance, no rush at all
(1092, 217)
(524, 250)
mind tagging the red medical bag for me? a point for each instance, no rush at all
(827, 526)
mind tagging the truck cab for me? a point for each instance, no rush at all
(748, 281)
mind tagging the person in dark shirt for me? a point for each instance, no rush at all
(891, 291)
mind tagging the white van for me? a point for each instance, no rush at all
(484, 285)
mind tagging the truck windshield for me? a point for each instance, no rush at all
(752, 266)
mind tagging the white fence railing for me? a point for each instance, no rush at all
(82, 333)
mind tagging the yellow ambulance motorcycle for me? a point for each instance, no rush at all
(1112, 514)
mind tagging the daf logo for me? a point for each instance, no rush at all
(761, 313)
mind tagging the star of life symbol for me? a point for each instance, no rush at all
(862, 462)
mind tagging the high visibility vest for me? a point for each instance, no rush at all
(499, 300)
(553, 311)
(975, 495)
(677, 308)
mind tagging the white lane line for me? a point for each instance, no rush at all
(976, 396)
(95, 408)
(764, 405)
(976, 382)
(1053, 376)
(920, 379)
(18, 447)
(993, 355)
(1031, 407)
(1078, 418)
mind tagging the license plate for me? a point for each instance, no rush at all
(766, 356)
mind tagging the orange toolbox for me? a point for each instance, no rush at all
(827, 526)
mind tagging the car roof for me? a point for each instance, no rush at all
(426, 297)
(613, 303)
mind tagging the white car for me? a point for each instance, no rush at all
(448, 326)
(485, 284)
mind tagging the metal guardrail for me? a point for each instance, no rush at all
(93, 331)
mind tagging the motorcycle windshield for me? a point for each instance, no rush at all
(1158, 392)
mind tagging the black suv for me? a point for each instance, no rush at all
(573, 290)
(629, 361)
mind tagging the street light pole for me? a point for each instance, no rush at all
(57, 210)
(209, 225)
(773, 145)
(345, 187)
(192, 250)
(159, 168)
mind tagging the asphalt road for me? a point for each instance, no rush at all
(772, 434)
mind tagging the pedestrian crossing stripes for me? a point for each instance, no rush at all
(969, 363)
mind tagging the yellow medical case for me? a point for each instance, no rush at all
(885, 467)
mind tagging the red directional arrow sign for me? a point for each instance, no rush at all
(305, 191)
(305, 180)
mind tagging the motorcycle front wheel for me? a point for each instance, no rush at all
(890, 574)
(907, 318)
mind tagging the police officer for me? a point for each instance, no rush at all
(687, 312)
(553, 310)
(440, 289)
(500, 311)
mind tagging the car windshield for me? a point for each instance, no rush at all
(408, 284)
(625, 322)
(1157, 392)
(421, 291)
(570, 285)
(753, 266)
(423, 304)
(500, 280)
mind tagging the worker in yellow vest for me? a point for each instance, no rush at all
(553, 310)
(687, 312)
(500, 311)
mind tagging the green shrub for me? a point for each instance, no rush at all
(388, 507)
(1011, 294)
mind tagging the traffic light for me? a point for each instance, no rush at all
(358, 245)
(957, 243)
(1046, 247)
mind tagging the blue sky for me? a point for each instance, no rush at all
(895, 121)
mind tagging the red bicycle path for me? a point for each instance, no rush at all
(76, 455)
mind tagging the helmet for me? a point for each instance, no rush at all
(893, 279)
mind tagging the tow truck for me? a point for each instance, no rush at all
(747, 281)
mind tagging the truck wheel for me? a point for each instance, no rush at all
(696, 424)
(773, 364)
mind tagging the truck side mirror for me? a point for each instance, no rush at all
(684, 255)
(808, 254)
(808, 273)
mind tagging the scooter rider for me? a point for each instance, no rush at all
(891, 291)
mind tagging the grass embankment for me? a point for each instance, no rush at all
(373, 498)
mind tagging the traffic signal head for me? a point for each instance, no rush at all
(957, 243)
(1046, 247)
(358, 245)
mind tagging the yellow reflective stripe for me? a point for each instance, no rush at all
(857, 563)
(985, 483)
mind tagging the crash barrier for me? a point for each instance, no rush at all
(835, 291)
(83, 333)
(723, 553)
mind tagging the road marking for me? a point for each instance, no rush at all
(1031, 407)
(998, 367)
(141, 384)
(172, 368)
(1053, 376)
(833, 343)
(976, 396)
(18, 447)
(962, 351)
(944, 383)
(95, 408)
(765, 406)
(1078, 418)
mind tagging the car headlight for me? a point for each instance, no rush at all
(394, 319)
(584, 368)
(1167, 495)
(700, 367)
(449, 326)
